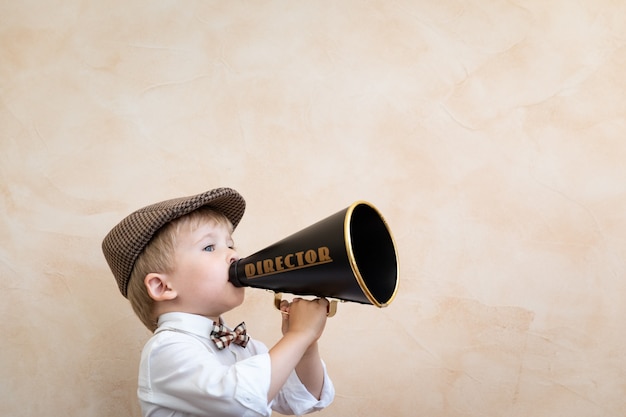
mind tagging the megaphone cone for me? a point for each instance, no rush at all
(348, 256)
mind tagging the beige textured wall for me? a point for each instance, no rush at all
(491, 134)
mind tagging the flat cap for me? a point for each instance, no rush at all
(123, 244)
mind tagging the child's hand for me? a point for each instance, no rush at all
(304, 316)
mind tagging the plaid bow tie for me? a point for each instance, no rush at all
(223, 337)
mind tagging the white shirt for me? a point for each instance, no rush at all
(183, 374)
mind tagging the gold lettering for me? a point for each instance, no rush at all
(324, 254)
(250, 270)
(268, 266)
(310, 256)
(302, 259)
(279, 263)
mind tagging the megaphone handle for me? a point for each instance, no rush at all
(332, 307)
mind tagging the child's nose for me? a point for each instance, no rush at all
(233, 256)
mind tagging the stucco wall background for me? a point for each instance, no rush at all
(489, 133)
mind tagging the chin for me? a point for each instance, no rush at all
(242, 297)
(238, 294)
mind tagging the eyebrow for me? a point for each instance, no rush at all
(211, 235)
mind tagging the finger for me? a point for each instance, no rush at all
(322, 301)
(284, 308)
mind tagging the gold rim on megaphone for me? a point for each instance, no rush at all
(348, 256)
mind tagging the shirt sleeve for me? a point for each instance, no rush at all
(182, 374)
(295, 399)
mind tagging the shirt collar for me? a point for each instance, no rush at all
(186, 322)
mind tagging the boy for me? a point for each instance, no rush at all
(171, 260)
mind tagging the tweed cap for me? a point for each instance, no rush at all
(123, 244)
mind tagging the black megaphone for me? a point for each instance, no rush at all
(348, 256)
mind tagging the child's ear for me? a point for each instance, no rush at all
(158, 287)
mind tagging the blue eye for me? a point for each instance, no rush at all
(209, 248)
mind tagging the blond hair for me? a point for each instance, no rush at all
(158, 257)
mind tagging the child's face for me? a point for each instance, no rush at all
(200, 277)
